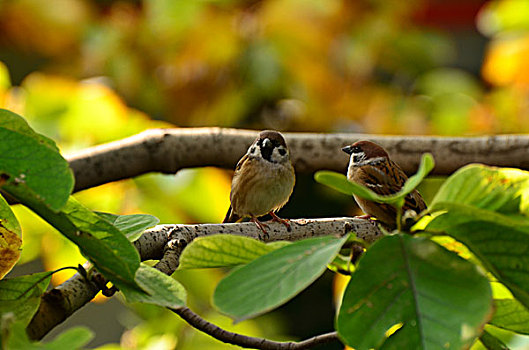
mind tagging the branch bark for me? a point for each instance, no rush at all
(169, 150)
(165, 242)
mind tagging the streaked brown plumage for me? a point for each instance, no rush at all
(371, 167)
(263, 180)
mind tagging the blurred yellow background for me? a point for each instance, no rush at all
(85, 72)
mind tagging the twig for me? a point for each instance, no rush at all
(249, 342)
(169, 150)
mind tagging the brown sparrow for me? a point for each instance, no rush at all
(263, 180)
(371, 167)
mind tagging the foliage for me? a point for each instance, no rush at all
(88, 72)
(74, 338)
(369, 66)
(274, 278)
(30, 179)
(9, 238)
(424, 295)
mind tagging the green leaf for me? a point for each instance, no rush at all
(10, 240)
(7, 218)
(74, 338)
(416, 292)
(499, 241)
(490, 342)
(162, 290)
(340, 183)
(275, 278)
(502, 190)
(131, 226)
(224, 250)
(16, 123)
(31, 165)
(21, 295)
(98, 240)
(511, 315)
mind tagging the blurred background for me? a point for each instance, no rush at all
(85, 72)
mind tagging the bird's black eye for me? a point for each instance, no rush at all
(282, 151)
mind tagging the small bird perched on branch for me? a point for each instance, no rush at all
(263, 181)
(371, 167)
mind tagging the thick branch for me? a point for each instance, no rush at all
(249, 342)
(168, 150)
(165, 242)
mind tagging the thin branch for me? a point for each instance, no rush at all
(169, 150)
(165, 242)
(249, 342)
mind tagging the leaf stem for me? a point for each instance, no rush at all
(46, 276)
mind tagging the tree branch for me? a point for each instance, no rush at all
(165, 242)
(169, 150)
(181, 235)
(249, 342)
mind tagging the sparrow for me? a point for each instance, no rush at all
(370, 166)
(263, 181)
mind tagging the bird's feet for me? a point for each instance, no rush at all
(262, 227)
(285, 222)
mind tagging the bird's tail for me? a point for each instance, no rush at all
(231, 216)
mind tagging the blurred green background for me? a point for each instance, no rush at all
(85, 72)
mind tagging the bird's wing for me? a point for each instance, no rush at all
(387, 178)
(231, 216)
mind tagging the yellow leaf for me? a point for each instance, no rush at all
(9, 250)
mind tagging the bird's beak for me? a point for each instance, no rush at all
(348, 150)
(267, 143)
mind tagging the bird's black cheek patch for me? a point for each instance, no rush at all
(358, 157)
(282, 151)
(267, 153)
